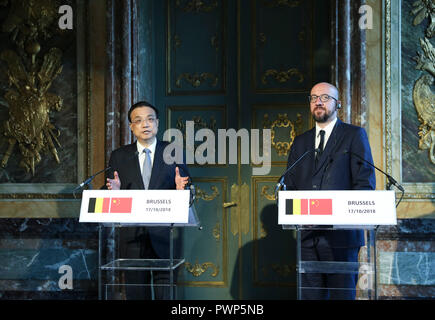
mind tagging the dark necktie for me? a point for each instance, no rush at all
(146, 172)
(321, 145)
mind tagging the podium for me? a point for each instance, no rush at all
(335, 211)
(137, 208)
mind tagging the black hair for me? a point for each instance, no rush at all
(142, 104)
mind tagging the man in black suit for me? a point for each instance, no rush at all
(141, 165)
(330, 168)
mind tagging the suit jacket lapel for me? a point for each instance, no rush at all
(157, 164)
(311, 157)
(133, 163)
(330, 145)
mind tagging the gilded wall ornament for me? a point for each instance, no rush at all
(282, 76)
(197, 79)
(198, 269)
(422, 10)
(197, 6)
(30, 77)
(282, 3)
(423, 96)
(282, 121)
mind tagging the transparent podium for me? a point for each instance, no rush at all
(319, 214)
(115, 210)
(364, 269)
(111, 283)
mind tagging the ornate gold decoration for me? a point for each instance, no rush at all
(215, 42)
(197, 79)
(281, 122)
(198, 269)
(197, 6)
(299, 124)
(177, 41)
(198, 123)
(217, 232)
(423, 97)
(283, 270)
(30, 104)
(264, 193)
(424, 104)
(262, 38)
(282, 3)
(240, 213)
(422, 10)
(201, 194)
(282, 76)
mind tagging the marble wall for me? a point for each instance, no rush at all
(32, 251)
(406, 260)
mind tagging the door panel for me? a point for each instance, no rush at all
(238, 64)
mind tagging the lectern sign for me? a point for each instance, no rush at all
(135, 206)
(337, 207)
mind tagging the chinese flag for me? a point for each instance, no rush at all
(121, 205)
(321, 206)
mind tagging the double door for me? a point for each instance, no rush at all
(244, 65)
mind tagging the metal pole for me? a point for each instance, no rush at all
(298, 262)
(171, 261)
(100, 241)
(375, 258)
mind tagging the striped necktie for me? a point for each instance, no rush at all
(146, 172)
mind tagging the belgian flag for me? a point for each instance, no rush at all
(296, 206)
(99, 205)
(308, 206)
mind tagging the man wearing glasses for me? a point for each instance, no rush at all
(141, 165)
(330, 167)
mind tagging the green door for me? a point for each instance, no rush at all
(239, 65)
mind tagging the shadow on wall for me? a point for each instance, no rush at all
(266, 265)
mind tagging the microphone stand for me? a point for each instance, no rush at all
(89, 180)
(281, 179)
(391, 180)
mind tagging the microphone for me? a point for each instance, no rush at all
(281, 179)
(391, 180)
(88, 180)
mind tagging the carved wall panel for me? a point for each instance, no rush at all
(206, 250)
(410, 96)
(43, 115)
(196, 65)
(286, 121)
(271, 268)
(282, 61)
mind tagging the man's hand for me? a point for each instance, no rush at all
(180, 181)
(114, 184)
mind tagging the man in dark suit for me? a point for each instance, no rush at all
(141, 165)
(331, 167)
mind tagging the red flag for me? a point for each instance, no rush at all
(121, 205)
(321, 206)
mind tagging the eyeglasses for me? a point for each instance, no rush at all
(138, 122)
(323, 97)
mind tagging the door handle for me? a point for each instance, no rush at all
(229, 204)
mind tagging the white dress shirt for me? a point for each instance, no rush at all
(141, 154)
(327, 129)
